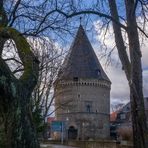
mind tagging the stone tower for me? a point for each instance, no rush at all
(82, 92)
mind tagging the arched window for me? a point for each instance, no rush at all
(88, 106)
(75, 78)
(98, 72)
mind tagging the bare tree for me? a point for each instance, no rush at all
(18, 20)
(131, 64)
(50, 56)
(15, 93)
(133, 70)
(30, 18)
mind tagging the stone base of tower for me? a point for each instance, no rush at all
(82, 92)
(84, 106)
(85, 126)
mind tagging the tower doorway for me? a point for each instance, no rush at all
(72, 132)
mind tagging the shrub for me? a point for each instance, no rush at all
(125, 133)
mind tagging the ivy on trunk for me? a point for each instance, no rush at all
(18, 128)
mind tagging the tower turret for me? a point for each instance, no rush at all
(82, 61)
(82, 92)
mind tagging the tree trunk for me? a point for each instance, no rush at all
(133, 71)
(140, 131)
(15, 94)
(19, 130)
(24, 133)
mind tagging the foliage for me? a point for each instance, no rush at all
(42, 97)
(2, 137)
(125, 133)
(22, 18)
(38, 120)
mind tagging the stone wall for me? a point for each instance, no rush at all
(99, 144)
(73, 96)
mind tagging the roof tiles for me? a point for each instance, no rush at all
(81, 61)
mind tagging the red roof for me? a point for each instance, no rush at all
(50, 119)
(113, 116)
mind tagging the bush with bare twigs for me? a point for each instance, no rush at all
(125, 133)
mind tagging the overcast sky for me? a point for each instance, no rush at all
(119, 87)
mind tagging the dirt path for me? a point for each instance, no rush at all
(55, 146)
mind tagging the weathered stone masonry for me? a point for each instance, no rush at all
(82, 92)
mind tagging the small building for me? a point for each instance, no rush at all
(82, 92)
(123, 116)
(121, 120)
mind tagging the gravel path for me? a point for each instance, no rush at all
(55, 146)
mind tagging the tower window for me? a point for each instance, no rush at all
(75, 78)
(88, 106)
(122, 116)
(98, 72)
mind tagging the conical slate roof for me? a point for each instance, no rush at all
(82, 62)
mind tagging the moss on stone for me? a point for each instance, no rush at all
(13, 89)
(3, 80)
(23, 48)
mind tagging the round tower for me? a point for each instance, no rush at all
(82, 92)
